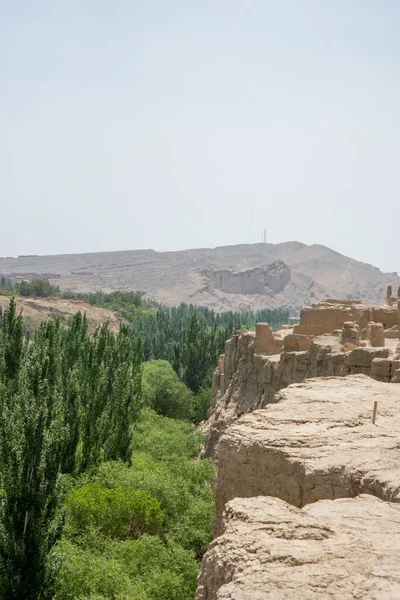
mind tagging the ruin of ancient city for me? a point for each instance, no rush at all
(199, 300)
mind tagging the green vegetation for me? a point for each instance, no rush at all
(164, 392)
(37, 288)
(101, 555)
(6, 287)
(189, 337)
(100, 495)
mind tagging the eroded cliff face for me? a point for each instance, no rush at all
(317, 441)
(307, 496)
(268, 280)
(268, 549)
(308, 485)
(246, 380)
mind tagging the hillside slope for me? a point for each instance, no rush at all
(36, 310)
(288, 275)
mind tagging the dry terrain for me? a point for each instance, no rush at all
(304, 428)
(255, 276)
(36, 310)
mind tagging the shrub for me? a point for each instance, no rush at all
(162, 438)
(143, 569)
(120, 512)
(99, 559)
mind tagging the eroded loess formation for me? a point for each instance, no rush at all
(308, 488)
(333, 338)
(270, 550)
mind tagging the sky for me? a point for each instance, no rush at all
(200, 123)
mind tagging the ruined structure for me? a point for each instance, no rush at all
(258, 364)
(376, 334)
(351, 333)
(297, 452)
(267, 342)
(330, 315)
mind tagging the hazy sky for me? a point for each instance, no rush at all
(165, 124)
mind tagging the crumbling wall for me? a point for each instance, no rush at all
(330, 315)
(246, 380)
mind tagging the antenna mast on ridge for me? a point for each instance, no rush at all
(265, 236)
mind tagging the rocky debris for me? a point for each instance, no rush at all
(268, 549)
(315, 442)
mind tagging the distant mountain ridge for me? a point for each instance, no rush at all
(288, 275)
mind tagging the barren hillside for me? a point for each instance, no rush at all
(36, 310)
(288, 275)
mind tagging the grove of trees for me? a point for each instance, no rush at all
(101, 492)
(189, 337)
(67, 402)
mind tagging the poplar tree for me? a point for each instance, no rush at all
(32, 438)
(67, 401)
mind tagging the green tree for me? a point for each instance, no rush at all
(11, 342)
(38, 288)
(164, 392)
(201, 404)
(67, 400)
(98, 556)
(32, 438)
(193, 366)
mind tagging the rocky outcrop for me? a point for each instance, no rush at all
(268, 549)
(268, 280)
